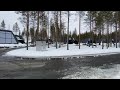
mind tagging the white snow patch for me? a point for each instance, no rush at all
(63, 52)
(96, 73)
(12, 45)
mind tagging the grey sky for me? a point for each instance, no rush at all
(10, 17)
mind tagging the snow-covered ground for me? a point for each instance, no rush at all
(62, 52)
(96, 73)
(12, 45)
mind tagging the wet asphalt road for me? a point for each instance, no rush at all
(16, 68)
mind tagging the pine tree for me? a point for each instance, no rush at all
(3, 25)
(81, 14)
(38, 24)
(107, 17)
(25, 19)
(74, 34)
(44, 25)
(33, 20)
(116, 26)
(23, 32)
(16, 28)
(55, 16)
(52, 30)
(89, 21)
(32, 34)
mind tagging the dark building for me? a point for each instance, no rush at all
(7, 37)
(20, 39)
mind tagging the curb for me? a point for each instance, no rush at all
(64, 57)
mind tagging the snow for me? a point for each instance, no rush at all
(96, 73)
(12, 45)
(63, 52)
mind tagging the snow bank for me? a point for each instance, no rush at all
(63, 52)
(12, 45)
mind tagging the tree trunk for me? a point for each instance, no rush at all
(63, 37)
(111, 35)
(60, 31)
(27, 27)
(68, 33)
(107, 35)
(56, 29)
(119, 34)
(116, 34)
(92, 32)
(34, 30)
(42, 30)
(48, 29)
(95, 38)
(102, 36)
(79, 27)
(38, 22)
(19, 32)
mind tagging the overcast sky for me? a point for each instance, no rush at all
(10, 17)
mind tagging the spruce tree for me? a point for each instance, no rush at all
(16, 28)
(3, 25)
